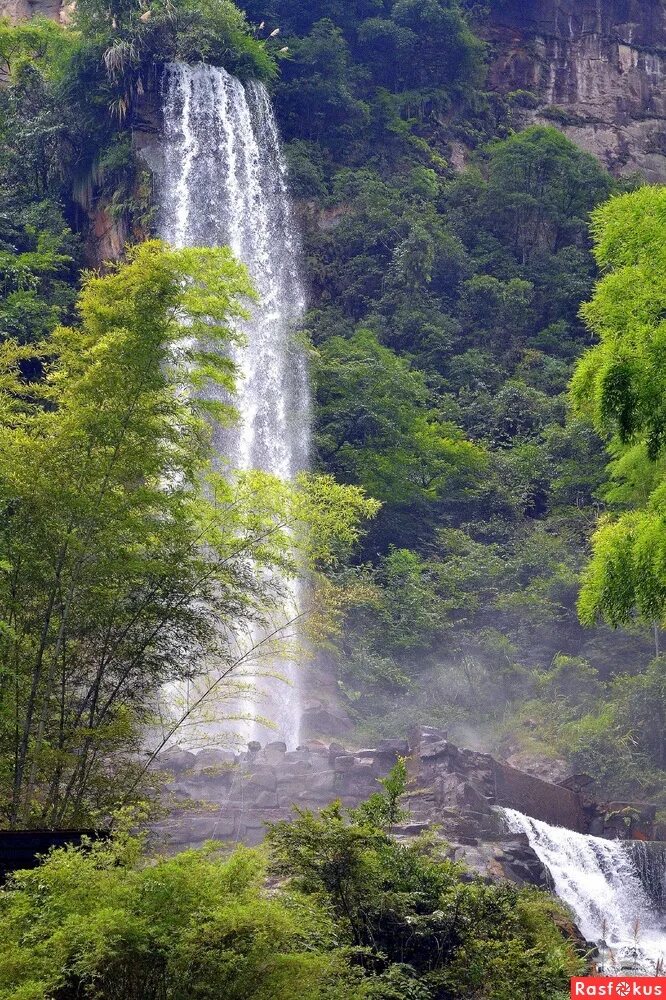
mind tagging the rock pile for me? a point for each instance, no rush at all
(454, 792)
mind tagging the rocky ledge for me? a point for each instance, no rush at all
(455, 792)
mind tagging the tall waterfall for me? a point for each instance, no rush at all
(604, 884)
(221, 180)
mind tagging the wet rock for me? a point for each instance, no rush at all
(435, 749)
(430, 733)
(346, 763)
(214, 758)
(195, 830)
(393, 748)
(597, 827)
(262, 777)
(293, 769)
(411, 829)
(521, 864)
(318, 720)
(176, 761)
(577, 782)
(264, 799)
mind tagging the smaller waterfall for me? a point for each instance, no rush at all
(602, 882)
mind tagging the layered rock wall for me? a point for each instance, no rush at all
(219, 795)
(597, 69)
(19, 10)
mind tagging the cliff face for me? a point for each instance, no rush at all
(598, 70)
(596, 67)
(19, 10)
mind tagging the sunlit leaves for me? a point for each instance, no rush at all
(131, 562)
(620, 384)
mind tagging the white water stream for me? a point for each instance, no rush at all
(221, 181)
(603, 883)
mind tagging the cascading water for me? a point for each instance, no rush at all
(221, 181)
(613, 888)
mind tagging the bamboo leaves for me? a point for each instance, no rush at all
(129, 562)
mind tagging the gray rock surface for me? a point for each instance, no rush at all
(598, 69)
(452, 793)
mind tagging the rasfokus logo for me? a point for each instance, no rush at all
(628, 986)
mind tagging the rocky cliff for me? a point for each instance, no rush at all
(454, 792)
(597, 70)
(18, 10)
(594, 68)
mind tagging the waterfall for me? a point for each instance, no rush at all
(612, 887)
(221, 181)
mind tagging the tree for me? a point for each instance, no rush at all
(316, 100)
(126, 561)
(444, 50)
(372, 433)
(541, 189)
(620, 386)
(415, 927)
(105, 923)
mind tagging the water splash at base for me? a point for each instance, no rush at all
(602, 883)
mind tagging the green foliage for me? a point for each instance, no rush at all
(38, 41)
(371, 432)
(356, 916)
(382, 65)
(131, 41)
(445, 321)
(123, 552)
(39, 255)
(541, 191)
(619, 385)
(409, 915)
(101, 923)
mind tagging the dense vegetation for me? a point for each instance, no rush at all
(445, 326)
(448, 255)
(445, 316)
(112, 584)
(355, 916)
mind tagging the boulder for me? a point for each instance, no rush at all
(318, 720)
(214, 758)
(195, 829)
(261, 777)
(346, 763)
(393, 748)
(176, 761)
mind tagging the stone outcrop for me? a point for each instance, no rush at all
(597, 70)
(19, 10)
(453, 792)
(442, 765)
